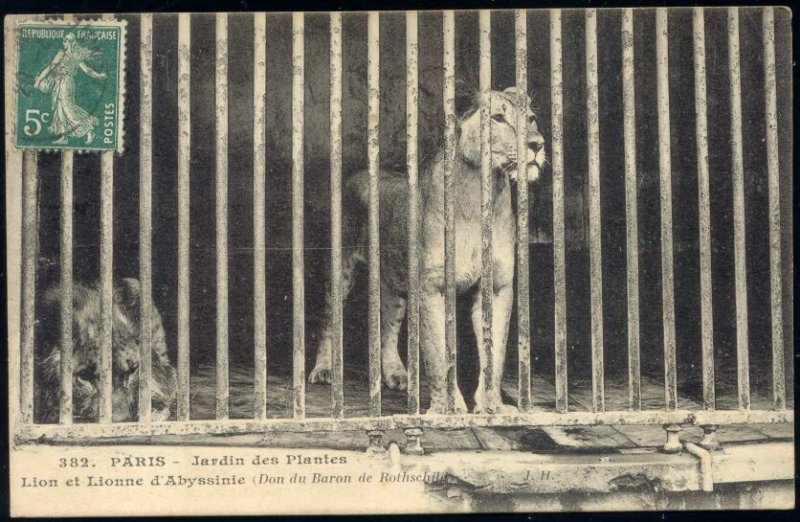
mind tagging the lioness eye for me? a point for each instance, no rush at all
(531, 119)
(499, 118)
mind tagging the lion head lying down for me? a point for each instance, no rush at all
(393, 188)
(126, 354)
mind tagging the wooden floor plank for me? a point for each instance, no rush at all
(537, 439)
(589, 438)
(776, 431)
(497, 439)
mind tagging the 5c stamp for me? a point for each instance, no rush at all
(70, 85)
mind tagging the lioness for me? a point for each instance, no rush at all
(393, 247)
(126, 352)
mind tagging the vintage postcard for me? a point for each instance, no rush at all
(400, 262)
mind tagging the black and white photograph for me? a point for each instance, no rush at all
(379, 262)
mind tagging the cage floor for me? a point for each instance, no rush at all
(540, 439)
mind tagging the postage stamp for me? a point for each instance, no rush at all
(70, 85)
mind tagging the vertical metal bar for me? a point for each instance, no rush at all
(559, 243)
(259, 215)
(373, 154)
(739, 243)
(449, 94)
(337, 354)
(106, 281)
(704, 207)
(30, 247)
(595, 226)
(665, 170)
(773, 176)
(487, 190)
(65, 396)
(145, 215)
(631, 210)
(412, 122)
(523, 297)
(184, 161)
(20, 191)
(298, 284)
(221, 76)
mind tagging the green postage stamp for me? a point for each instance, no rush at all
(70, 85)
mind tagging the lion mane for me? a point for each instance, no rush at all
(126, 352)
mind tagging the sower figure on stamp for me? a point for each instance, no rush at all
(58, 78)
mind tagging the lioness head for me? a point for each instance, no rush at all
(504, 113)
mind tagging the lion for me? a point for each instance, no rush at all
(393, 251)
(126, 353)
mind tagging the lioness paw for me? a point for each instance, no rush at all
(160, 415)
(395, 378)
(435, 410)
(321, 374)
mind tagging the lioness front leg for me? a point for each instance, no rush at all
(393, 310)
(432, 345)
(502, 302)
(322, 367)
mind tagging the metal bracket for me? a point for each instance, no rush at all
(414, 441)
(375, 441)
(704, 457)
(673, 442)
(709, 440)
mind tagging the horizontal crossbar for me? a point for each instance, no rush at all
(40, 432)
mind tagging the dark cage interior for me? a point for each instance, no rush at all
(392, 155)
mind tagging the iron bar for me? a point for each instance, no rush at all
(595, 225)
(184, 252)
(559, 243)
(665, 172)
(773, 177)
(146, 217)
(221, 121)
(704, 206)
(739, 231)
(337, 354)
(412, 165)
(259, 215)
(631, 210)
(523, 271)
(373, 160)
(449, 94)
(298, 284)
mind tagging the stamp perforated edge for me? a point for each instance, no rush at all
(121, 61)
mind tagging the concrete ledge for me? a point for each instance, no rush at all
(514, 472)
(753, 462)
(511, 472)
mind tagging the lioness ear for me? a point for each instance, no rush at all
(513, 92)
(466, 98)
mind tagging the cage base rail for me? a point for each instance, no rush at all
(55, 432)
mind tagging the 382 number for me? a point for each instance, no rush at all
(34, 119)
(74, 462)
